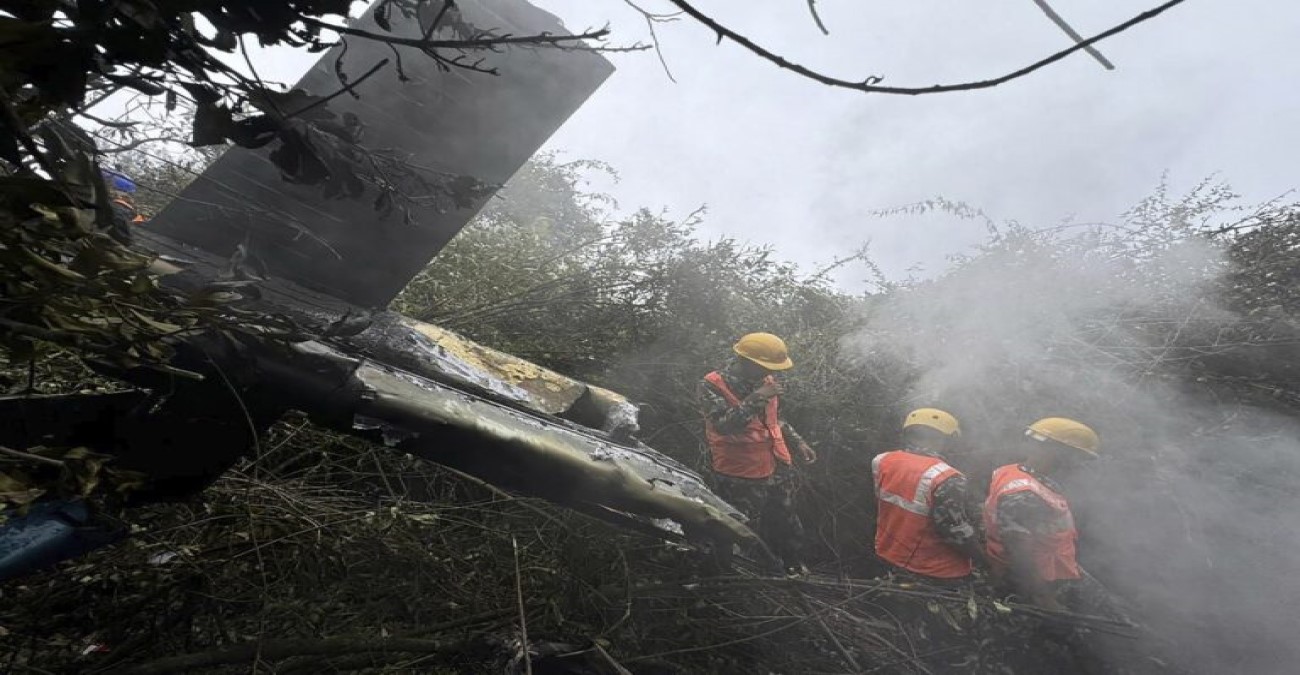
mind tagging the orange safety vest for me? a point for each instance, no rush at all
(137, 219)
(754, 452)
(1053, 553)
(905, 535)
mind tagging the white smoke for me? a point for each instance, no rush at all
(1189, 515)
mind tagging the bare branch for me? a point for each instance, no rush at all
(484, 42)
(348, 87)
(817, 19)
(1074, 35)
(107, 123)
(27, 456)
(523, 613)
(871, 84)
(437, 20)
(127, 147)
(651, 19)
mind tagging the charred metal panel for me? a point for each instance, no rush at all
(421, 348)
(452, 123)
(510, 447)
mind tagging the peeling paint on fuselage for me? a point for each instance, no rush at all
(541, 388)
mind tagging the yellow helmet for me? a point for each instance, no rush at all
(939, 420)
(1066, 432)
(765, 349)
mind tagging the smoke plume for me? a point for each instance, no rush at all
(1188, 517)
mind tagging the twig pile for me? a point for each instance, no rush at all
(315, 557)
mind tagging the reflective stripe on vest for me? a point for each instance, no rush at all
(918, 501)
(905, 535)
(1053, 551)
(754, 452)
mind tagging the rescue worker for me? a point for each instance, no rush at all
(1031, 533)
(924, 524)
(749, 442)
(121, 193)
(1032, 545)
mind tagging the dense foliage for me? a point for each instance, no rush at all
(1171, 332)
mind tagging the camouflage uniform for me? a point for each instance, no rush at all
(1026, 514)
(952, 511)
(767, 502)
(728, 419)
(954, 518)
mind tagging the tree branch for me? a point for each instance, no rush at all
(650, 19)
(486, 42)
(107, 123)
(437, 19)
(870, 85)
(1074, 35)
(817, 19)
(139, 142)
(29, 457)
(523, 614)
(346, 87)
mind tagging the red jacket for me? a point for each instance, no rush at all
(1053, 552)
(754, 452)
(905, 535)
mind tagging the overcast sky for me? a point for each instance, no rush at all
(1208, 87)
